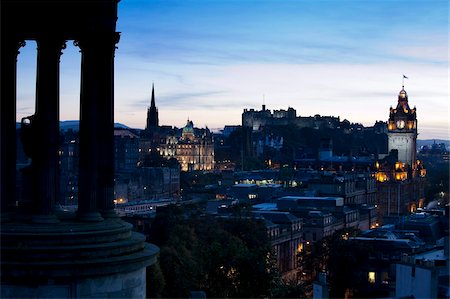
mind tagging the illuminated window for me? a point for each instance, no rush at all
(401, 176)
(381, 177)
(371, 277)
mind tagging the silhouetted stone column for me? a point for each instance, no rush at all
(105, 58)
(9, 52)
(45, 163)
(96, 183)
(90, 130)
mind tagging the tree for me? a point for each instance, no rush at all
(341, 258)
(225, 257)
(155, 281)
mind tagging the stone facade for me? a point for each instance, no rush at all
(401, 178)
(402, 130)
(257, 120)
(192, 147)
(120, 285)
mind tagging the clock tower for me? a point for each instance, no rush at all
(402, 130)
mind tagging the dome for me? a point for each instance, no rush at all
(188, 130)
(189, 127)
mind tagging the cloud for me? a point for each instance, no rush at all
(211, 59)
(177, 99)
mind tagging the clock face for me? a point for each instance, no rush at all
(400, 124)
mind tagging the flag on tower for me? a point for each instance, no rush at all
(405, 77)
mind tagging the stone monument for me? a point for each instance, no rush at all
(45, 252)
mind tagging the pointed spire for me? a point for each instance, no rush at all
(153, 96)
(152, 112)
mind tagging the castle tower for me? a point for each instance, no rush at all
(402, 130)
(152, 112)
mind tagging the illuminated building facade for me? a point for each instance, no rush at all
(194, 150)
(192, 147)
(402, 130)
(400, 176)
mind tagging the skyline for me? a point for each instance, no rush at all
(211, 59)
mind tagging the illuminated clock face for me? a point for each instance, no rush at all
(400, 124)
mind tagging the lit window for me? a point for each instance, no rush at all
(371, 277)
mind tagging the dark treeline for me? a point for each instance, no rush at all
(224, 257)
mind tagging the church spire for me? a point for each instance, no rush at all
(152, 112)
(152, 104)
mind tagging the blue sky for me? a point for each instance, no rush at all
(211, 59)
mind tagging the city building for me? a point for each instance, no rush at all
(285, 234)
(195, 148)
(262, 139)
(355, 187)
(192, 147)
(126, 146)
(402, 130)
(258, 120)
(68, 165)
(400, 176)
(424, 274)
(322, 216)
(146, 183)
(435, 153)
(385, 248)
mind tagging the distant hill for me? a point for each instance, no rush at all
(423, 142)
(75, 125)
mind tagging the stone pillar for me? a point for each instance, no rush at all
(9, 52)
(45, 162)
(96, 185)
(105, 58)
(90, 131)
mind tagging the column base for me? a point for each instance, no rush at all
(74, 259)
(44, 219)
(109, 214)
(5, 217)
(89, 217)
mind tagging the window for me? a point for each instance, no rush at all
(371, 277)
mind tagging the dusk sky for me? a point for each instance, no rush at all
(211, 59)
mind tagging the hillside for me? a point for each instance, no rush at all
(75, 124)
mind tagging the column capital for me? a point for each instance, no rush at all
(11, 46)
(56, 45)
(98, 42)
(19, 44)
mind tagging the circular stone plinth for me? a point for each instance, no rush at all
(68, 232)
(70, 250)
